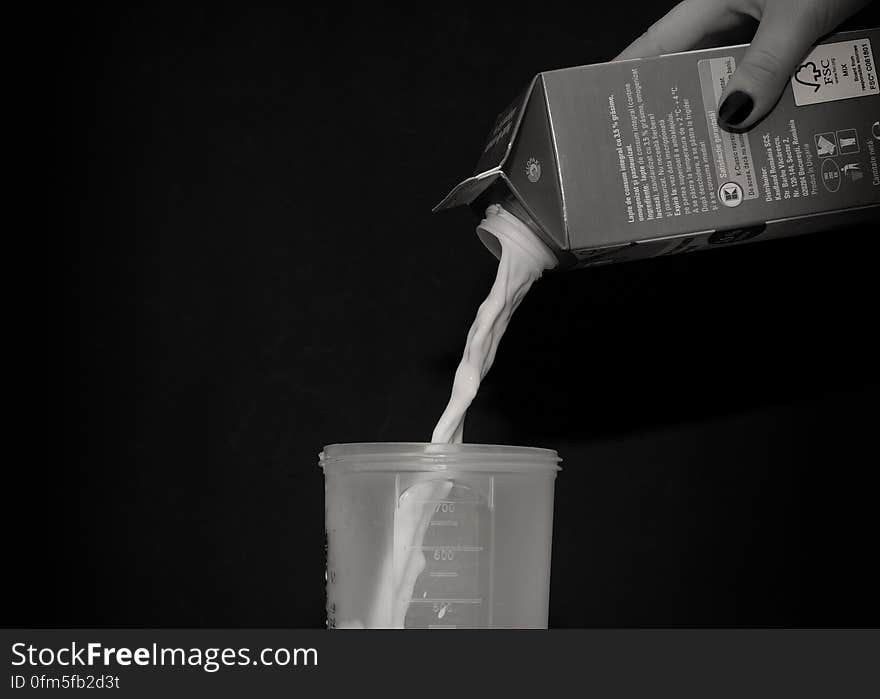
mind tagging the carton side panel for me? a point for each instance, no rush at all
(641, 154)
(586, 168)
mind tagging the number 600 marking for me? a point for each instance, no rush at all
(442, 554)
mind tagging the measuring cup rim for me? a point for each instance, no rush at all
(424, 456)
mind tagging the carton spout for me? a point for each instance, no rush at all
(500, 226)
(482, 192)
(512, 205)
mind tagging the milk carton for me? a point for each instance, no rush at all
(626, 160)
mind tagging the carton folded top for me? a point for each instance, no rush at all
(494, 154)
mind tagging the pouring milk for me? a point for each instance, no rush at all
(522, 260)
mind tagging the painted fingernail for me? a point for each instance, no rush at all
(735, 109)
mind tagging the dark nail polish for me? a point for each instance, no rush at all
(735, 109)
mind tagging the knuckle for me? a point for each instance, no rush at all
(655, 38)
(751, 8)
(763, 66)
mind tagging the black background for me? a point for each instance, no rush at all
(250, 270)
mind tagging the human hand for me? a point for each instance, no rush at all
(786, 31)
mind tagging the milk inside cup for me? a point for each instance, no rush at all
(626, 160)
(438, 536)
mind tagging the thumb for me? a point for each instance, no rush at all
(784, 37)
(787, 30)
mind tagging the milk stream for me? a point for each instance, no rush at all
(523, 258)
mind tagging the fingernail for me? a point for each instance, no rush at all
(735, 109)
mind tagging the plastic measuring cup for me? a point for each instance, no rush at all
(438, 535)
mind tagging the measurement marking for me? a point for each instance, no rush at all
(442, 626)
(446, 548)
(443, 574)
(446, 502)
(444, 523)
(446, 600)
